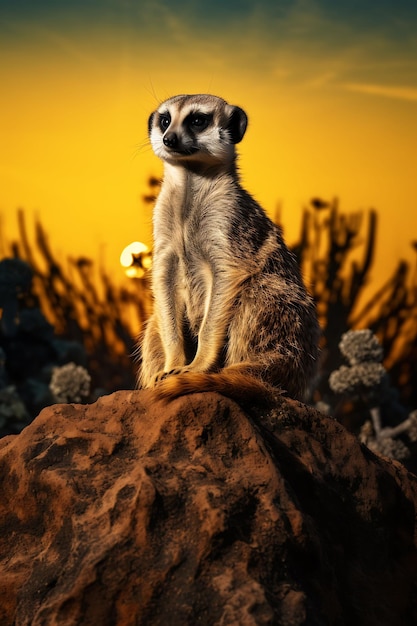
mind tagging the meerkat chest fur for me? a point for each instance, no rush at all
(192, 213)
(191, 236)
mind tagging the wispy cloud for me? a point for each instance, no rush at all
(386, 91)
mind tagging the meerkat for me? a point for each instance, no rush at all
(231, 313)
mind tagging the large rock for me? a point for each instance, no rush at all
(130, 512)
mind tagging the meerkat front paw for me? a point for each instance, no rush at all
(158, 377)
(163, 374)
(179, 370)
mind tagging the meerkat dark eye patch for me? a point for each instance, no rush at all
(164, 121)
(150, 122)
(198, 121)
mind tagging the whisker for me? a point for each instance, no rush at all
(152, 91)
(141, 148)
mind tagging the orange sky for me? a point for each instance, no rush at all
(334, 117)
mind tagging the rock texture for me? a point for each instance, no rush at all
(130, 512)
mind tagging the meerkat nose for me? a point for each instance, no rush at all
(170, 140)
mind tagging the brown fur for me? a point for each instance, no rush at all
(230, 382)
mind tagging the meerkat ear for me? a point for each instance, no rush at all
(150, 122)
(238, 122)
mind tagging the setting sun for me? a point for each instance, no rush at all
(136, 259)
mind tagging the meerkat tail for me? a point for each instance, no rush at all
(239, 386)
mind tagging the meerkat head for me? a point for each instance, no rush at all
(196, 129)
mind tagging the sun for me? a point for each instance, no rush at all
(136, 259)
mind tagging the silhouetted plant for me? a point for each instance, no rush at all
(15, 281)
(336, 278)
(29, 348)
(365, 378)
(13, 413)
(70, 383)
(85, 306)
(85, 319)
(392, 316)
(328, 250)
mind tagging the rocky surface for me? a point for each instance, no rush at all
(130, 512)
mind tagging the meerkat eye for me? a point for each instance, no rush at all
(198, 121)
(164, 121)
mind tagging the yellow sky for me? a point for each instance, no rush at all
(74, 149)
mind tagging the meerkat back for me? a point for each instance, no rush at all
(231, 313)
